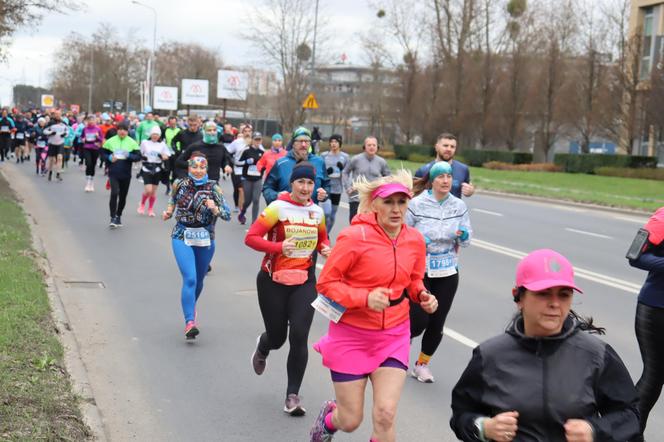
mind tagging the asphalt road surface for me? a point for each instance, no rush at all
(150, 384)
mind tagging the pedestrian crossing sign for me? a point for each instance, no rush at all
(310, 102)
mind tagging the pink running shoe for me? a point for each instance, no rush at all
(151, 213)
(141, 209)
(191, 330)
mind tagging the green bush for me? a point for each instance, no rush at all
(403, 151)
(478, 157)
(588, 162)
(625, 172)
(418, 158)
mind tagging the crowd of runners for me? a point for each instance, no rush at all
(388, 278)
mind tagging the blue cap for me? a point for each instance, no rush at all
(276, 137)
(440, 168)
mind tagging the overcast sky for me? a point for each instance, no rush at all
(213, 23)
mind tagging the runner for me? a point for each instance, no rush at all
(445, 148)
(181, 141)
(119, 152)
(154, 153)
(650, 317)
(546, 378)
(199, 202)
(20, 138)
(376, 264)
(443, 220)
(92, 137)
(235, 149)
(335, 163)
(251, 178)
(57, 131)
(144, 129)
(170, 132)
(68, 144)
(294, 227)
(41, 145)
(215, 153)
(271, 156)
(6, 128)
(366, 164)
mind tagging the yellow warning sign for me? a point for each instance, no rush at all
(310, 102)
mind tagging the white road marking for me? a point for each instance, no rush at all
(488, 212)
(583, 232)
(344, 205)
(631, 220)
(599, 278)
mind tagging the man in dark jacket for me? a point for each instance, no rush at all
(182, 141)
(217, 155)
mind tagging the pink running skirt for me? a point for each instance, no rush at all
(354, 350)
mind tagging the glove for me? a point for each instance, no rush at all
(329, 170)
(340, 165)
(250, 161)
(462, 234)
(427, 240)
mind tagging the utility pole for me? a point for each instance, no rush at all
(151, 63)
(92, 70)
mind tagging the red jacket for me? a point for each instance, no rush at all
(365, 258)
(268, 159)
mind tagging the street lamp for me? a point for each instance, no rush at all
(150, 81)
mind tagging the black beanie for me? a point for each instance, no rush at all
(303, 169)
(338, 138)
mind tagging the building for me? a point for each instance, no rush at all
(646, 26)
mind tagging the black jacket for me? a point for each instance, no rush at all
(217, 157)
(251, 155)
(549, 380)
(186, 138)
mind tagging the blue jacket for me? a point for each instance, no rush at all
(279, 178)
(652, 292)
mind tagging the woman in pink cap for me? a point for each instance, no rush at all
(650, 315)
(362, 292)
(545, 378)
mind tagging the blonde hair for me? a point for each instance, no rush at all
(365, 187)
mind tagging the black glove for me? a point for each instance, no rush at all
(340, 165)
(329, 170)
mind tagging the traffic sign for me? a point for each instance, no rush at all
(47, 100)
(310, 102)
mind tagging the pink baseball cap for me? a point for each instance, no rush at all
(389, 189)
(543, 269)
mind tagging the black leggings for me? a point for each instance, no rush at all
(432, 325)
(352, 210)
(91, 156)
(650, 335)
(237, 185)
(5, 143)
(283, 306)
(119, 190)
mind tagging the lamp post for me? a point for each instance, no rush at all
(152, 60)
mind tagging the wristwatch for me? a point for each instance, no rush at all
(479, 429)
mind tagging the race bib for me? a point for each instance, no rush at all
(237, 171)
(4, 128)
(121, 154)
(41, 143)
(253, 170)
(306, 240)
(91, 137)
(154, 157)
(328, 308)
(336, 173)
(20, 135)
(197, 237)
(440, 265)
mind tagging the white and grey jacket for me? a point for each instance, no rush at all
(439, 222)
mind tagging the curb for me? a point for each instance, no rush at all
(560, 202)
(74, 364)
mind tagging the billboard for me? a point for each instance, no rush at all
(165, 98)
(232, 85)
(195, 91)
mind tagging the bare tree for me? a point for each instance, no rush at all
(17, 14)
(287, 48)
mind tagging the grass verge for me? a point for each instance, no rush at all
(606, 191)
(36, 399)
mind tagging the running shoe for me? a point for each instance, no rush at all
(50, 175)
(191, 330)
(112, 224)
(293, 405)
(118, 221)
(151, 213)
(236, 210)
(258, 359)
(242, 218)
(318, 431)
(422, 373)
(141, 209)
(58, 177)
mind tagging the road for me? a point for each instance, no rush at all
(150, 384)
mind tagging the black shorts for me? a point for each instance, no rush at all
(55, 150)
(151, 178)
(335, 198)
